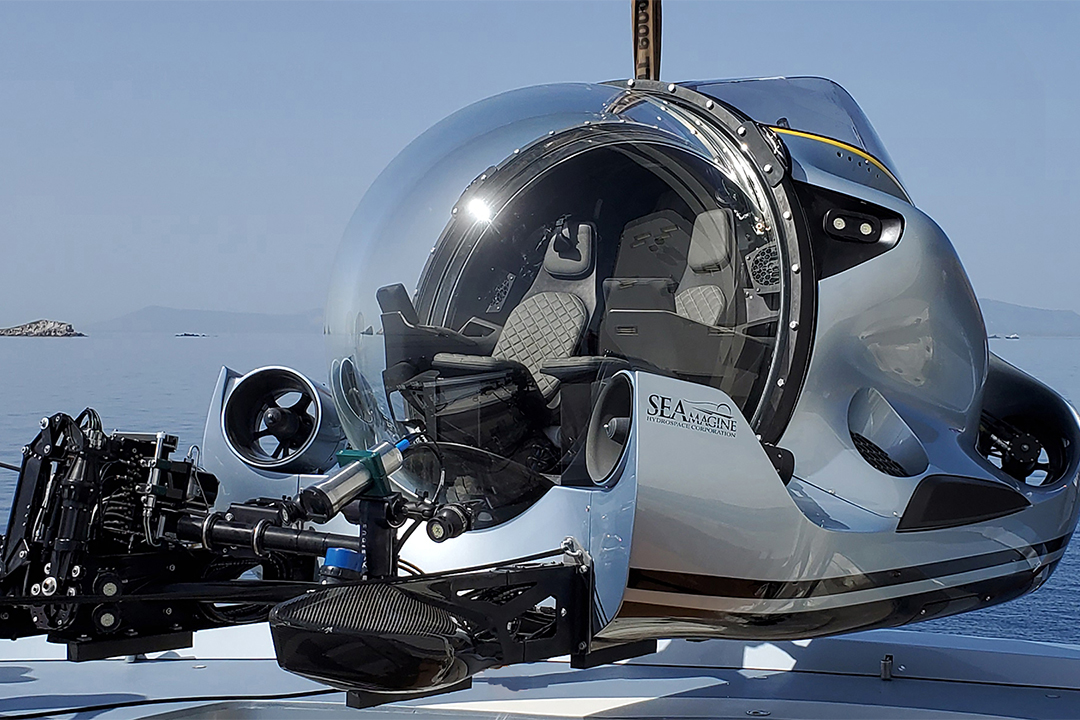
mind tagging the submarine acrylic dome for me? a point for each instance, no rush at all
(545, 232)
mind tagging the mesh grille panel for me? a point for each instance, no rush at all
(376, 609)
(765, 266)
(877, 458)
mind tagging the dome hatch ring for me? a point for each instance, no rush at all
(768, 154)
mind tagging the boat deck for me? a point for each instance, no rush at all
(232, 674)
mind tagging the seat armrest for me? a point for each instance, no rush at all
(460, 364)
(582, 368)
(417, 344)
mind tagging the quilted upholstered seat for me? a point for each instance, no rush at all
(549, 322)
(708, 269)
(702, 303)
(542, 327)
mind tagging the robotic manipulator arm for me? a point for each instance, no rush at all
(113, 546)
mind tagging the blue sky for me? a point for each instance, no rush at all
(209, 155)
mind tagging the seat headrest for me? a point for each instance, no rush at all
(654, 245)
(711, 241)
(569, 255)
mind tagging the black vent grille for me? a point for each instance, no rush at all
(877, 458)
(765, 266)
(377, 609)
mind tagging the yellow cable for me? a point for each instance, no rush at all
(843, 146)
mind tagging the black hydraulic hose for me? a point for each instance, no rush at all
(221, 532)
(13, 468)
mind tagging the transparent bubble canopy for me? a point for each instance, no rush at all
(542, 239)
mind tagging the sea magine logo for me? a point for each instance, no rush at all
(703, 416)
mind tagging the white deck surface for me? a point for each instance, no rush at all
(935, 676)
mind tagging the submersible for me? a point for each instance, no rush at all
(646, 361)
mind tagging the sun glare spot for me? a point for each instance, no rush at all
(479, 210)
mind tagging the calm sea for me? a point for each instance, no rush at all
(161, 382)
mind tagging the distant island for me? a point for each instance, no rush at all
(198, 323)
(41, 328)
